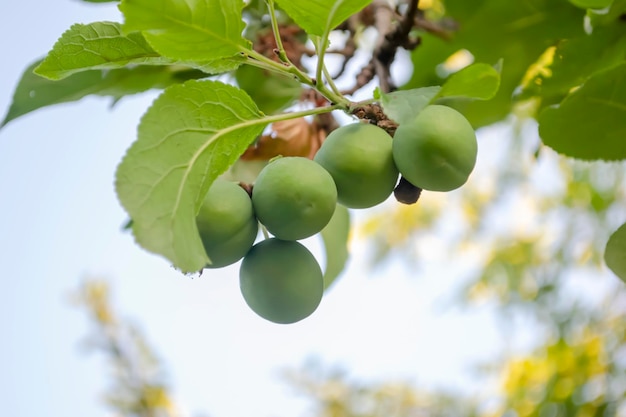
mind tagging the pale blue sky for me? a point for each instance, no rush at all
(60, 222)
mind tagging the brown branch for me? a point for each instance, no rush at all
(366, 75)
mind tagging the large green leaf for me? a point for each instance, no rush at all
(98, 45)
(34, 92)
(615, 252)
(189, 136)
(103, 45)
(403, 106)
(590, 123)
(335, 238)
(477, 81)
(188, 30)
(318, 16)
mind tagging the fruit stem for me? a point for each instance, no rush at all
(280, 49)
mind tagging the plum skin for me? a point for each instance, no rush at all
(294, 197)
(359, 158)
(437, 150)
(281, 281)
(226, 223)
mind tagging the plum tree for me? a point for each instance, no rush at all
(359, 158)
(294, 197)
(281, 281)
(437, 150)
(226, 223)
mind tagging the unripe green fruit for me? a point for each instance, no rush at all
(294, 198)
(281, 281)
(437, 150)
(359, 158)
(226, 223)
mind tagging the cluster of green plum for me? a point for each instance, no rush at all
(294, 198)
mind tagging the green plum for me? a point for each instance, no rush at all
(294, 198)
(281, 281)
(226, 223)
(437, 150)
(359, 158)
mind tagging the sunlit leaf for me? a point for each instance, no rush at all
(98, 45)
(317, 16)
(201, 31)
(189, 136)
(103, 45)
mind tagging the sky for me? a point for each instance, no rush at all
(60, 223)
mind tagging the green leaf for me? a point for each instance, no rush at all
(615, 253)
(516, 32)
(34, 92)
(590, 123)
(591, 4)
(103, 45)
(335, 239)
(270, 91)
(189, 136)
(319, 16)
(599, 18)
(197, 30)
(99, 45)
(402, 106)
(574, 61)
(477, 81)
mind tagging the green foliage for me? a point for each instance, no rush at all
(490, 30)
(403, 106)
(270, 91)
(99, 45)
(601, 102)
(477, 81)
(570, 63)
(34, 92)
(200, 31)
(317, 17)
(164, 176)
